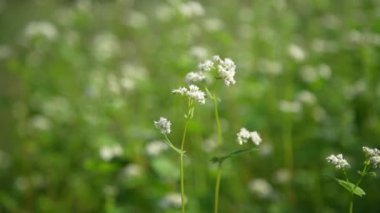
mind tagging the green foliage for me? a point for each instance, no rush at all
(350, 187)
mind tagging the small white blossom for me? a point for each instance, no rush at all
(109, 152)
(374, 156)
(154, 148)
(226, 70)
(193, 77)
(172, 199)
(371, 152)
(206, 66)
(41, 28)
(181, 91)
(296, 52)
(192, 92)
(338, 161)
(244, 135)
(163, 125)
(260, 188)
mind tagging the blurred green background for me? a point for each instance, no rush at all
(82, 81)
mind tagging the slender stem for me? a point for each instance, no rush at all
(351, 203)
(182, 169)
(217, 187)
(216, 112)
(220, 139)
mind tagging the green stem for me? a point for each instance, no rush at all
(217, 187)
(216, 112)
(351, 203)
(182, 169)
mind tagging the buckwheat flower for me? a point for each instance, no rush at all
(374, 156)
(163, 125)
(338, 161)
(371, 152)
(244, 135)
(193, 77)
(181, 91)
(375, 161)
(108, 152)
(206, 66)
(192, 92)
(226, 70)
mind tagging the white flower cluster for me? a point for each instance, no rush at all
(244, 135)
(163, 125)
(225, 68)
(374, 156)
(338, 161)
(192, 92)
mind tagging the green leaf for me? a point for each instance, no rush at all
(351, 187)
(232, 154)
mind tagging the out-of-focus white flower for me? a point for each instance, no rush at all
(106, 45)
(374, 156)
(155, 148)
(296, 52)
(193, 77)
(306, 97)
(199, 52)
(164, 13)
(260, 188)
(324, 71)
(171, 200)
(338, 161)
(244, 135)
(290, 106)
(192, 92)
(213, 24)
(41, 28)
(191, 9)
(271, 67)
(283, 176)
(132, 170)
(163, 125)
(108, 152)
(136, 19)
(40, 122)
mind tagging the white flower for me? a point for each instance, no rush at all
(244, 135)
(191, 9)
(338, 161)
(172, 199)
(181, 91)
(374, 156)
(41, 28)
(206, 66)
(371, 152)
(296, 52)
(193, 77)
(155, 148)
(110, 151)
(192, 92)
(132, 170)
(261, 188)
(226, 70)
(163, 125)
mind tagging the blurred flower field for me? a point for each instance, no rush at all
(82, 82)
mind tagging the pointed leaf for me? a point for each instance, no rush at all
(351, 187)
